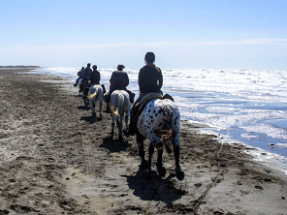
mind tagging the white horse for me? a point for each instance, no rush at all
(119, 105)
(96, 94)
(159, 122)
(79, 85)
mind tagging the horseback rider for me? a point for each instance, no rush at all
(95, 78)
(119, 81)
(86, 75)
(80, 75)
(150, 80)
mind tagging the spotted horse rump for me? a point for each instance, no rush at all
(160, 123)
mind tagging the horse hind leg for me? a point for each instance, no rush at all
(113, 125)
(127, 120)
(101, 104)
(160, 169)
(120, 127)
(93, 111)
(179, 173)
(150, 153)
(94, 108)
(140, 141)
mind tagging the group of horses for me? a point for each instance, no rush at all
(159, 121)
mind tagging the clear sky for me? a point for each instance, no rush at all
(207, 34)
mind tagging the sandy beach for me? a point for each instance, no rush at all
(54, 160)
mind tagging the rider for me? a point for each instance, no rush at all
(80, 75)
(86, 75)
(95, 78)
(119, 81)
(150, 80)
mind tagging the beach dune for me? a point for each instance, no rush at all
(53, 160)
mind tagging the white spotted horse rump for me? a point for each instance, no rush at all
(160, 123)
(153, 116)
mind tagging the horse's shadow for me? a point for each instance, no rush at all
(77, 95)
(84, 107)
(91, 119)
(148, 186)
(114, 145)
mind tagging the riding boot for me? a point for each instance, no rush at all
(130, 131)
(81, 88)
(132, 99)
(107, 97)
(107, 109)
(86, 90)
(132, 128)
(104, 88)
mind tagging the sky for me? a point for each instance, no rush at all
(195, 34)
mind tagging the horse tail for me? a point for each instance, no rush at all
(93, 95)
(166, 133)
(113, 111)
(121, 100)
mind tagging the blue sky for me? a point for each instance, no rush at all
(207, 34)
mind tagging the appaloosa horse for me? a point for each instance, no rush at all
(159, 121)
(96, 94)
(119, 105)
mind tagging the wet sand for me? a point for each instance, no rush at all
(54, 160)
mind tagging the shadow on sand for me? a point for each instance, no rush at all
(148, 185)
(90, 119)
(114, 145)
(84, 107)
(77, 95)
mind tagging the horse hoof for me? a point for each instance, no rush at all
(161, 172)
(180, 174)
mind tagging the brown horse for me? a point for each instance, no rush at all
(83, 86)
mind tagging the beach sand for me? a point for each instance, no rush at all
(53, 160)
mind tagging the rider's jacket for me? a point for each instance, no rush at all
(119, 80)
(95, 77)
(87, 72)
(150, 79)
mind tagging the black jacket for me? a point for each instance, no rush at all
(150, 79)
(119, 80)
(95, 77)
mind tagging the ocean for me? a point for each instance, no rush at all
(243, 106)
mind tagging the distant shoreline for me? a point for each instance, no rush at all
(19, 67)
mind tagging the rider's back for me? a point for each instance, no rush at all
(119, 78)
(150, 79)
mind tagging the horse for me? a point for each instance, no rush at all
(120, 106)
(159, 121)
(96, 94)
(79, 85)
(84, 84)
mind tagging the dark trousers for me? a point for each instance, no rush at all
(77, 81)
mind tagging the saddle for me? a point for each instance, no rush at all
(138, 108)
(108, 95)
